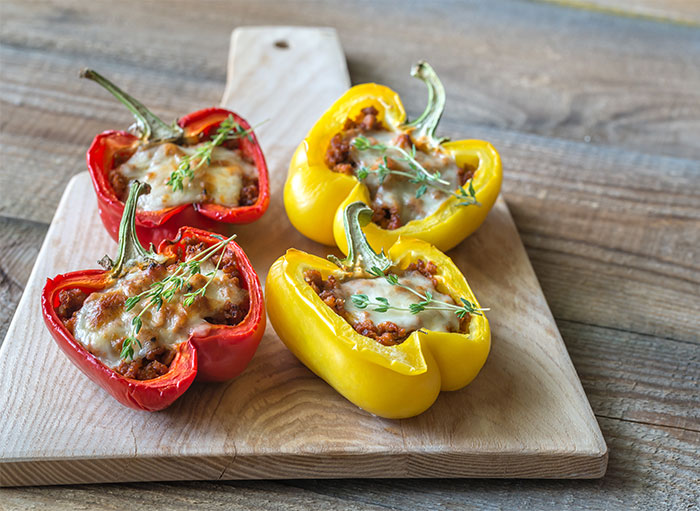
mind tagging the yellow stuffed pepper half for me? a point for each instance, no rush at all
(395, 378)
(420, 186)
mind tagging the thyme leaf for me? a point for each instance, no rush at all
(362, 143)
(361, 301)
(128, 347)
(417, 174)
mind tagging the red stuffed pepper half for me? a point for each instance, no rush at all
(207, 170)
(153, 321)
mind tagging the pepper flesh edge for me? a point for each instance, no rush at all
(222, 353)
(155, 226)
(312, 190)
(361, 369)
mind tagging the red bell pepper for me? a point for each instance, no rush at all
(154, 226)
(211, 353)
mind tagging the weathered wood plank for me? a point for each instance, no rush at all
(613, 235)
(246, 496)
(651, 467)
(674, 11)
(636, 377)
(583, 75)
(19, 245)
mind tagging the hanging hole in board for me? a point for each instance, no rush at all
(281, 44)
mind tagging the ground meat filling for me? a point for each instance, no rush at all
(249, 187)
(156, 358)
(155, 363)
(70, 301)
(339, 158)
(387, 333)
(386, 217)
(249, 191)
(338, 153)
(428, 270)
(327, 290)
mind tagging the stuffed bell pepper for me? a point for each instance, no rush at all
(417, 185)
(207, 170)
(151, 322)
(388, 332)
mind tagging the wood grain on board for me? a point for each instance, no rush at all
(525, 416)
(628, 83)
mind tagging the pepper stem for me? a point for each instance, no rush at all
(361, 256)
(426, 124)
(130, 248)
(152, 128)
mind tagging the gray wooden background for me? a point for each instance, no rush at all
(596, 113)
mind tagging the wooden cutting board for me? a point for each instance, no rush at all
(525, 415)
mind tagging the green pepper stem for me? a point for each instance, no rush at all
(130, 248)
(361, 256)
(426, 124)
(152, 128)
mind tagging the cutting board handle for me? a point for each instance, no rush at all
(285, 77)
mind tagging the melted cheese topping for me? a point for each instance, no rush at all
(102, 322)
(219, 182)
(397, 191)
(436, 320)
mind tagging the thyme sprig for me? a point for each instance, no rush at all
(362, 143)
(229, 129)
(418, 174)
(427, 302)
(166, 289)
(128, 348)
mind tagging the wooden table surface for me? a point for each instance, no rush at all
(596, 113)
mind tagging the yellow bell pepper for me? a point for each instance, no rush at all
(315, 196)
(396, 381)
